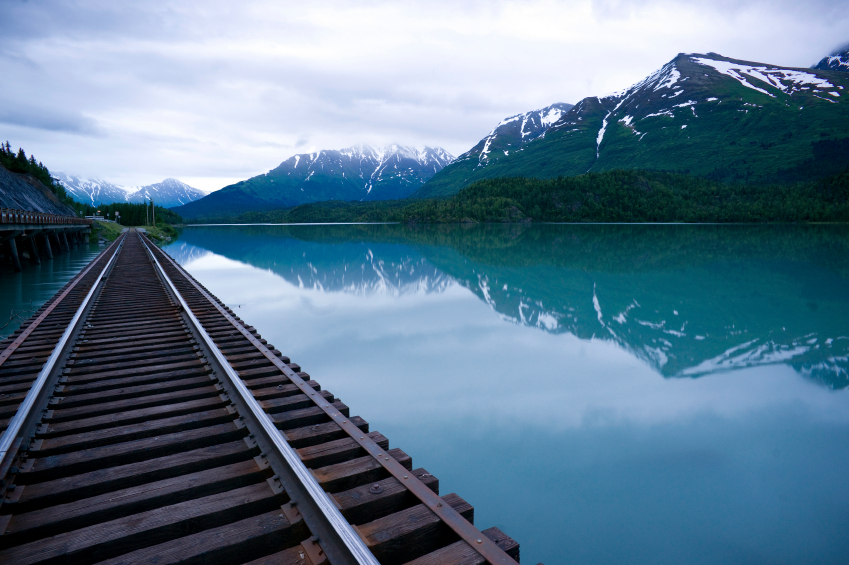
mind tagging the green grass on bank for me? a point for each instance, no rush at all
(161, 233)
(110, 231)
(613, 196)
(104, 230)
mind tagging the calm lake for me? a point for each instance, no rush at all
(21, 294)
(602, 393)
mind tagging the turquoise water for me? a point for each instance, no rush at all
(21, 294)
(603, 394)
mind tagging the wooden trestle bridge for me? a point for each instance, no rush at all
(144, 422)
(24, 229)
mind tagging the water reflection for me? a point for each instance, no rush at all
(688, 300)
(547, 373)
(21, 294)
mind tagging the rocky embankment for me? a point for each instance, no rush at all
(25, 192)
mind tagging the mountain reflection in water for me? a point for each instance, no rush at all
(688, 300)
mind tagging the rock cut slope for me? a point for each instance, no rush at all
(355, 173)
(705, 115)
(25, 192)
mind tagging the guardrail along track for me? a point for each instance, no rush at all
(13, 216)
(176, 434)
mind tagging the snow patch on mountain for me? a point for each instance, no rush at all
(393, 163)
(92, 191)
(665, 77)
(168, 193)
(774, 77)
(514, 132)
(838, 60)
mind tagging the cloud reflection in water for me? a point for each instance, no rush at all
(524, 368)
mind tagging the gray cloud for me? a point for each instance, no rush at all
(839, 49)
(50, 120)
(810, 9)
(135, 92)
(302, 141)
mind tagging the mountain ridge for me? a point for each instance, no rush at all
(514, 132)
(359, 172)
(702, 114)
(167, 193)
(837, 60)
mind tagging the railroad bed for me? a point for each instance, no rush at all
(144, 422)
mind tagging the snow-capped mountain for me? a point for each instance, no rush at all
(706, 115)
(838, 60)
(657, 98)
(92, 191)
(168, 193)
(385, 173)
(357, 173)
(513, 133)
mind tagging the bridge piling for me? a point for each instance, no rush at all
(47, 248)
(13, 250)
(58, 244)
(34, 246)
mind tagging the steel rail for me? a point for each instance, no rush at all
(453, 519)
(346, 533)
(17, 421)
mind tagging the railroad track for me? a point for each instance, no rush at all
(146, 423)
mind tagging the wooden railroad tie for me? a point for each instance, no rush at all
(168, 431)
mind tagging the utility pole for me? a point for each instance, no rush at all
(153, 211)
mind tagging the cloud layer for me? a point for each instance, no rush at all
(212, 92)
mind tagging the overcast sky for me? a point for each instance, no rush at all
(214, 92)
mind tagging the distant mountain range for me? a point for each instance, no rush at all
(168, 193)
(360, 172)
(705, 115)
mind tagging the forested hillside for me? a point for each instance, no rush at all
(613, 196)
(705, 115)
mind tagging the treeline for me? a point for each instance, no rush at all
(130, 214)
(20, 163)
(614, 196)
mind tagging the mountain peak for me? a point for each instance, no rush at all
(170, 192)
(355, 173)
(704, 114)
(512, 133)
(837, 60)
